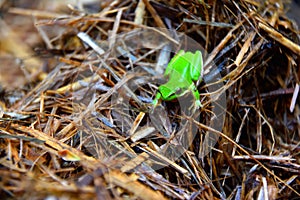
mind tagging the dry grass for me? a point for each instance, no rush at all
(73, 127)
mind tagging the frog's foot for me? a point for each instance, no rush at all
(155, 101)
(195, 106)
(198, 104)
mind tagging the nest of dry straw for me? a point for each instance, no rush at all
(81, 126)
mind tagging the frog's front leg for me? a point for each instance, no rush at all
(156, 99)
(196, 66)
(196, 95)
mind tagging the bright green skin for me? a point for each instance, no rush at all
(183, 70)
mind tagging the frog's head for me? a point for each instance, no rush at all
(169, 92)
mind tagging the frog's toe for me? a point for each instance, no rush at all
(198, 104)
(154, 102)
(195, 106)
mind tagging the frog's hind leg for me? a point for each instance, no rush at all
(197, 66)
(173, 61)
